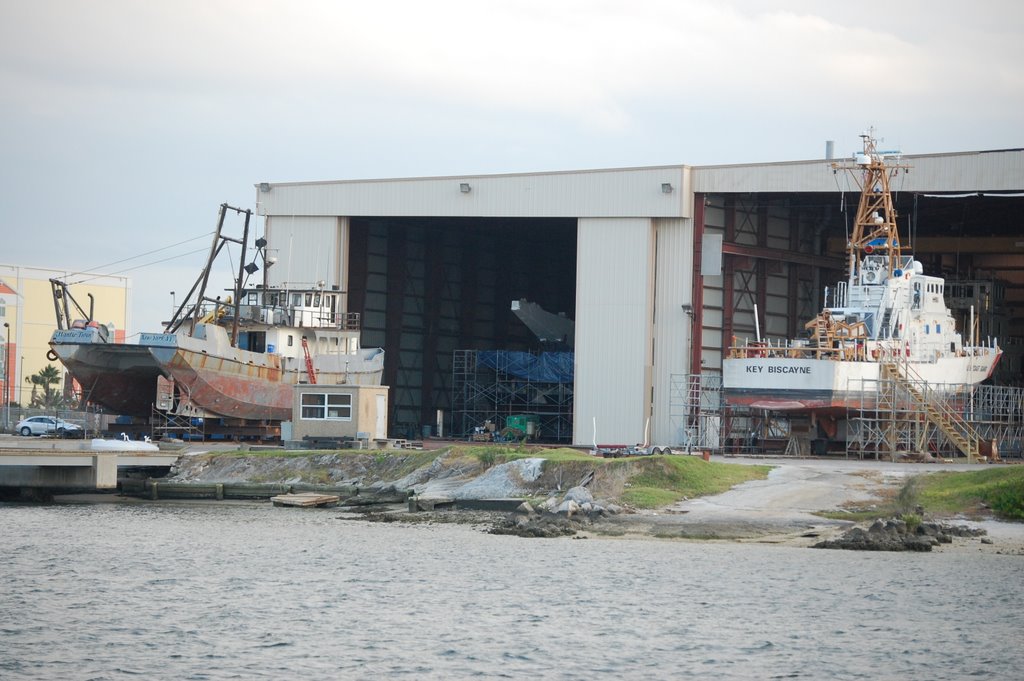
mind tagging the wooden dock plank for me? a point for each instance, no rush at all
(306, 499)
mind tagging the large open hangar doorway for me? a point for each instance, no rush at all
(782, 250)
(429, 287)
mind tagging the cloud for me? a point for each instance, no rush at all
(125, 121)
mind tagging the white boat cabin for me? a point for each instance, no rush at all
(906, 306)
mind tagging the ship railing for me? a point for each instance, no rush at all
(845, 349)
(343, 321)
(347, 321)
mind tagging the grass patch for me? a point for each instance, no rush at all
(995, 490)
(1001, 489)
(663, 480)
(495, 454)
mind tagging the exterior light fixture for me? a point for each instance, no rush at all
(666, 187)
(464, 188)
(264, 187)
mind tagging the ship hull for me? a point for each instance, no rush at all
(209, 380)
(122, 378)
(827, 385)
(212, 380)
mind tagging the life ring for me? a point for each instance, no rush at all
(51, 355)
(907, 276)
(874, 353)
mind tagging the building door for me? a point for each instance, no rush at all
(381, 426)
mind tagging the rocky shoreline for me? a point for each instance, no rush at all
(783, 509)
(896, 534)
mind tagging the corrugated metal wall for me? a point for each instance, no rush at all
(614, 291)
(308, 250)
(672, 324)
(594, 193)
(968, 171)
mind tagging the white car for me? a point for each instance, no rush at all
(43, 425)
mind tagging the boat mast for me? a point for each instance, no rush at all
(194, 314)
(874, 228)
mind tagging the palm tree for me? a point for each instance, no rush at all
(45, 379)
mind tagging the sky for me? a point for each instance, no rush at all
(124, 124)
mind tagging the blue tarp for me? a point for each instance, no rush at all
(547, 367)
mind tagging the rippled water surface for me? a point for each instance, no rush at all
(206, 591)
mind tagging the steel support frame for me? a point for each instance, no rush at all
(697, 287)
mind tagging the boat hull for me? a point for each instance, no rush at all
(210, 380)
(232, 383)
(120, 377)
(804, 384)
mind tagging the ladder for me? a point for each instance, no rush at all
(309, 362)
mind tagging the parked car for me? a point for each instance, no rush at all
(44, 425)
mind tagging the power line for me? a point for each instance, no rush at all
(129, 269)
(142, 255)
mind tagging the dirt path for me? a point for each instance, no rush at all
(780, 509)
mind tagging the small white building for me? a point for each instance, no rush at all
(337, 411)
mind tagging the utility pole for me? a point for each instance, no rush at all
(7, 375)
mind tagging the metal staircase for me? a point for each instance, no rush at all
(935, 409)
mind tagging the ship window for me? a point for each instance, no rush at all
(938, 328)
(291, 340)
(927, 328)
(327, 406)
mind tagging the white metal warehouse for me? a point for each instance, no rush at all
(669, 264)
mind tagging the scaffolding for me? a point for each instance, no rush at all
(702, 420)
(896, 416)
(761, 432)
(482, 393)
(695, 411)
(997, 413)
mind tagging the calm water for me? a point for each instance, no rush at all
(113, 591)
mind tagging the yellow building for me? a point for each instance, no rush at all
(28, 318)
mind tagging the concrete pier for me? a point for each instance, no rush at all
(66, 466)
(59, 470)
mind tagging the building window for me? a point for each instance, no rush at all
(327, 406)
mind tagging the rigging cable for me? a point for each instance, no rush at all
(129, 269)
(134, 257)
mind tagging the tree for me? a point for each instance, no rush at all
(44, 380)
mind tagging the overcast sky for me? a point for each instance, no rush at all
(126, 123)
